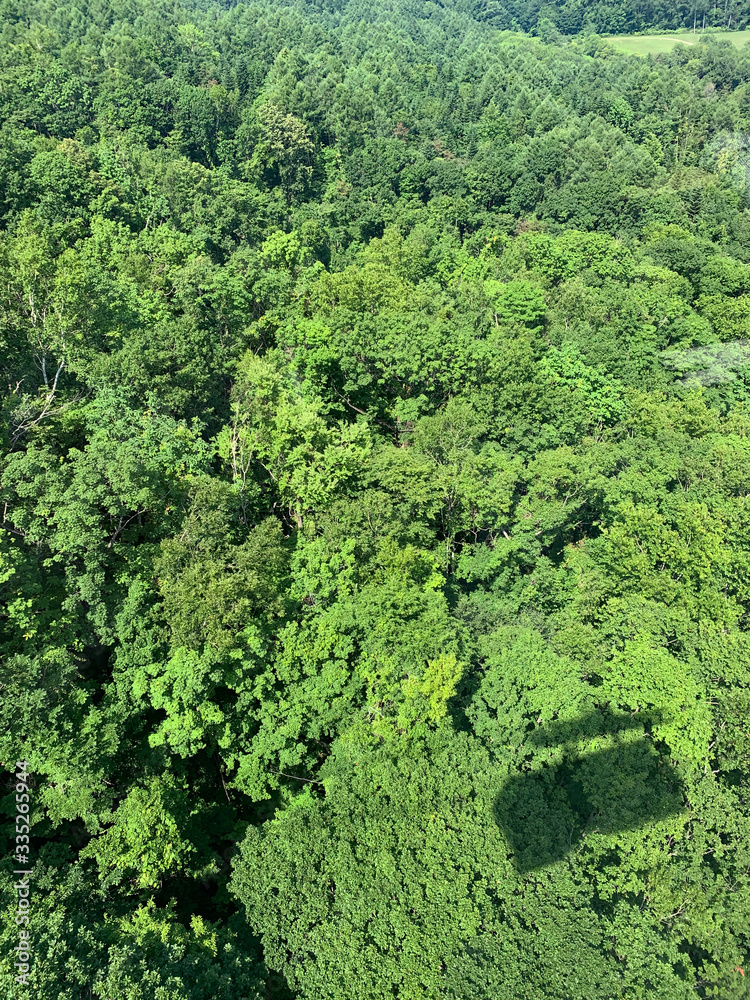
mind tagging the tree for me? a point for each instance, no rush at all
(282, 151)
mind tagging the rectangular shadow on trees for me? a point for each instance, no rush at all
(547, 811)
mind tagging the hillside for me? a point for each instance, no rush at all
(375, 548)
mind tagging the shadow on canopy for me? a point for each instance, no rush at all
(547, 811)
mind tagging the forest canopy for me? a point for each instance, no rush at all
(375, 541)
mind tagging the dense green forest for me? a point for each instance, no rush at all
(375, 540)
(608, 16)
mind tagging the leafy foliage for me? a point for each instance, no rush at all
(374, 576)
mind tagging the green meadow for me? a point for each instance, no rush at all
(643, 45)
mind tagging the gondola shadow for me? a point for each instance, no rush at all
(546, 812)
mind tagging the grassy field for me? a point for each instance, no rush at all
(642, 45)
